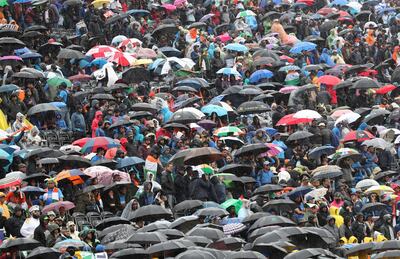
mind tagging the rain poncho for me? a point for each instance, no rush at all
(325, 58)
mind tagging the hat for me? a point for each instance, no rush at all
(321, 124)
(51, 213)
(34, 208)
(266, 163)
(70, 224)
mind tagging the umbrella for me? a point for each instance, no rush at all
(19, 244)
(143, 107)
(187, 205)
(70, 54)
(326, 172)
(170, 246)
(33, 189)
(92, 188)
(365, 83)
(272, 220)
(299, 191)
(121, 59)
(279, 205)
(229, 71)
(236, 169)
(11, 43)
(212, 108)
(260, 75)
(237, 204)
(191, 254)
(346, 153)
(236, 47)
(42, 107)
(101, 51)
(119, 245)
(206, 17)
(211, 212)
(384, 174)
(170, 52)
(358, 135)
(380, 190)
(8, 88)
(317, 152)
(151, 213)
(267, 188)
(75, 161)
(99, 142)
(311, 253)
(228, 131)
(186, 115)
(76, 176)
(48, 161)
(290, 120)
(348, 118)
(67, 205)
(252, 149)
(307, 114)
(252, 107)
(329, 80)
(185, 223)
(386, 89)
(165, 29)
(111, 222)
(130, 253)
(298, 135)
(211, 233)
(377, 143)
(376, 115)
(43, 252)
(371, 207)
(388, 254)
(202, 155)
(302, 46)
(129, 161)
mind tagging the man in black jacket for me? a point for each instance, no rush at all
(167, 184)
(13, 224)
(39, 233)
(182, 184)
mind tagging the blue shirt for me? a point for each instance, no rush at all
(49, 199)
(63, 95)
(264, 177)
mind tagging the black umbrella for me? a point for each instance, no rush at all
(72, 2)
(118, 86)
(184, 88)
(147, 238)
(42, 107)
(119, 245)
(117, 185)
(131, 253)
(358, 68)
(111, 222)
(266, 53)
(114, 229)
(116, 18)
(262, 61)
(388, 254)
(179, 157)
(155, 226)
(39, 177)
(143, 107)
(171, 246)
(211, 212)
(38, 152)
(171, 233)
(370, 207)
(48, 161)
(10, 33)
(39, 28)
(198, 240)
(163, 29)
(279, 205)
(185, 223)
(327, 174)
(237, 169)
(21, 244)
(151, 213)
(387, 245)
(298, 135)
(170, 52)
(92, 188)
(139, 115)
(136, 75)
(221, 28)
(31, 35)
(253, 107)
(43, 252)
(365, 83)
(187, 205)
(267, 188)
(50, 47)
(327, 26)
(74, 161)
(314, 38)
(188, 102)
(356, 249)
(203, 155)
(235, 89)
(11, 43)
(252, 150)
(105, 162)
(261, 231)
(25, 75)
(271, 237)
(175, 125)
(70, 54)
(8, 88)
(310, 253)
(211, 233)
(108, 97)
(120, 123)
(364, 16)
(382, 175)
(194, 254)
(228, 243)
(271, 15)
(271, 221)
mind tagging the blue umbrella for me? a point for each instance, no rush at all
(32, 189)
(29, 55)
(7, 148)
(260, 74)
(8, 88)
(211, 108)
(236, 47)
(59, 104)
(217, 98)
(118, 39)
(22, 1)
(83, 63)
(129, 161)
(270, 131)
(299, 191)
(289, 68)
(339, 2)
(98, 62)
(303, 46)
(229, 71)
(21, 51)
(21, 153)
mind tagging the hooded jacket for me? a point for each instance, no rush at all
(95, 123)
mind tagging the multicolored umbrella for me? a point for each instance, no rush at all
(273, 150)
(76, 176)
(99, 142)
(228, 131)
(245, 14)
(345, 152)
(122, 59)
(204, 169)
(380, 190)
(101, 51)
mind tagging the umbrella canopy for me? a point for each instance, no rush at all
(253, 107)
(252, 149)
(358, 136)
(43, 252)
(211, 233)
(365, 83)
(299, 135)
(41, 108)
(19, 244)
(99, 142)
(203, 155)
(67, 205)
(151, 213)
(185, 223)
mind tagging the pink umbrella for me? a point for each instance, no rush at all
(105, 175)
(273, 150)
(180, 3)
(10, 58)
(288, 89)
(67, 205)
(169, 7)
(339, 113)
(224, 37)
(146, 53)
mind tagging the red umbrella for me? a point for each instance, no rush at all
(101, 51)
(111, 153)
(307, 2)
(385, 89)
(122, 59)
(329, 80)
(287, 58)
(80, 142)
(290, 120)
(80, 77)
(9, 182)
(325, 11)
(358, 135)
(67, 205)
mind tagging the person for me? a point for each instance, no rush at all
(73, 233)
(100, 152)
(14, 224)
(181, 183)
(39, 233)
(332, 228)
(264, 176)
(386, 228)
(78, 124)
(359, 228)
(168, 185)
(54, 234)
(52, 193)
(3, 206)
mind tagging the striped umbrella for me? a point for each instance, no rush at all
(101, 51)
(228, 131)
(122, 59)
(99, 142)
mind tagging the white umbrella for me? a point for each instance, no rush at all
(370, 24)
(366, 183)
(348, 117)
(355, 5)
(393, 131)
(377, 143)
(307, 114)
(317, 193)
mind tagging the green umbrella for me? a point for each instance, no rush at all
(3, 3)
(232, 202)
(57, 81)
(228, 178)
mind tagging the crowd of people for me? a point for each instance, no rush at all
(199, 129)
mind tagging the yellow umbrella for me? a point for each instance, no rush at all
(380, 190)
(144, 61)
(99, 3)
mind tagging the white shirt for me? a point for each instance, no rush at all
(29, 226)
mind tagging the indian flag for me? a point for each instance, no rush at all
(150, 167)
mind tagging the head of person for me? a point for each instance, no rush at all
(35, 211)
(51, 183)
(100, 151)
(266, 165)
(44, 220)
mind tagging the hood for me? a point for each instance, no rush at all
(98, 114)
(94, 102)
